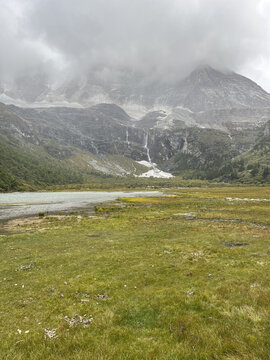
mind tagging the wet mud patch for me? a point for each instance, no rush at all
(17, 226)
(237, 244)
(98, 235)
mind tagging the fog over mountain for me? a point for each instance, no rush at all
(54, 41)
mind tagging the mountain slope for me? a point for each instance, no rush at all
(206, 89)
(253, 166)
(203, 89)
(208, 125)
(39, 147)
(101, 129)
(30, 164)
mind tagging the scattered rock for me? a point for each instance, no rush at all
(19, 331)
(102, 296)
(85, 295)
(26, 267)
(210, 275)
(78, 320)
(190, 293)
(51, 334)
(65, 283)
(238, 244)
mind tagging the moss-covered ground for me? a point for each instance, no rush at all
(179, 277)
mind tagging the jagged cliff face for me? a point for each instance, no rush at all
(101, 129)
(203, 90)
(207, 98)
(93, 130)
(199, 122)
(107, 129)
(96, 135)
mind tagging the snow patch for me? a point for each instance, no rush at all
(157, 173)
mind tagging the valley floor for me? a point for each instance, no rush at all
(184, 276)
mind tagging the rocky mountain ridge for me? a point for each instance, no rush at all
(227, 115)
(106, 129)
(203, 89)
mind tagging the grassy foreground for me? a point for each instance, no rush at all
(179, 277)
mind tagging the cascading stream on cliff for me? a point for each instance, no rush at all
(154, 172)
(147, 149)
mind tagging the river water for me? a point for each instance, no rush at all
(15, 205)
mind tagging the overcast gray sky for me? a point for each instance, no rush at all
(158, 37)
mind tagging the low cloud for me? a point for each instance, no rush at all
(158, 38)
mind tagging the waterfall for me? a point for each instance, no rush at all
(185, 146)
(127, 140)
(153, 171)
(147, 148)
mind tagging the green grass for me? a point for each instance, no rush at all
(175, 291)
